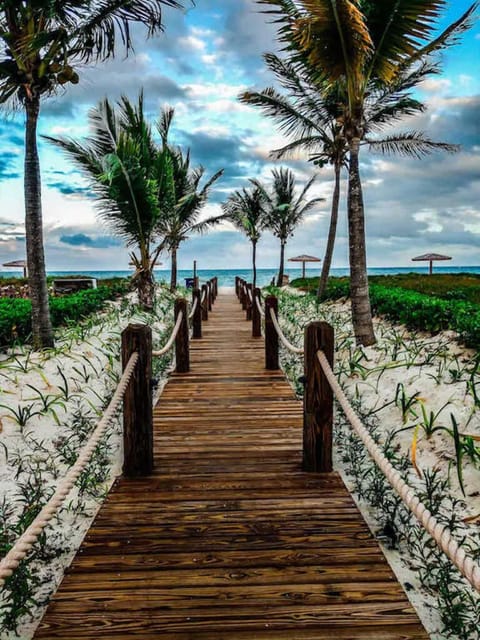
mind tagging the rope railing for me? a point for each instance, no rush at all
(171, 340)
(291, 347)
(259, 306)
(194, 308)
(24, 544)
(439, 532)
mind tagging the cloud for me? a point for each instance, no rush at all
(82, 240)
(7, 162)
(70, 189)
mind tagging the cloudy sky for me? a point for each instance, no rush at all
(205, 58)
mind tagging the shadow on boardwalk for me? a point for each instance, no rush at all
(229, 539)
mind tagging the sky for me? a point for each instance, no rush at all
(206, 56)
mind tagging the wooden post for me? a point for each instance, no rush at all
(197, 315)
(182, 349)
(215, 287)
(205, 302)
(209, 295)
(137, 403)
(317, 400)
(236, 286)
(243, 294)
(271, 335)
(249, 302)
(256, 318)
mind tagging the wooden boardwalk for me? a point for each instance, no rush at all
(229, 539)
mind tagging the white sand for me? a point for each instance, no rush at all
(90, 365)
(362, 372)
(424, 364)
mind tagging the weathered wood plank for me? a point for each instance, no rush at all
(228, 539)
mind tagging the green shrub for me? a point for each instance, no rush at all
(15, 313)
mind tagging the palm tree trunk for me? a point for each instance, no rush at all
(173, 278)
(145, 289)
(37, 279)
(332, 233)
(361, 310)
(281, 268)
(254, 263)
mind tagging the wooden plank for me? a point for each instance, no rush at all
(228, 538)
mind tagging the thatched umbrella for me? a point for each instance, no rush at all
(303, 259)
(19, 264)
(430, 257)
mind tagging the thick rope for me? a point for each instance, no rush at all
(249, 293)
(171, 340)
(23, 545)
(259, 307)
(439, 532)
(194, 308)
(291, 347)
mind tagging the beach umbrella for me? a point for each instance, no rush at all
(303, 259)
(430, 257)
(19, 264)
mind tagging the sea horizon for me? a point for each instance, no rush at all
(226, 277)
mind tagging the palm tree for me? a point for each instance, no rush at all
(133, 180)
(246, 210)
(309, 114)
(361, 44)
(41, 41)
(182, 219)
(285, 209)
(312, 112)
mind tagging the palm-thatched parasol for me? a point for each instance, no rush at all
(19, 264)
(303, 259)
(430, 257)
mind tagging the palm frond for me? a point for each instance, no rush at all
(100, 23)
(412, 143)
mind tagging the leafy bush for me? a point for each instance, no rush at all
(15, 314)
(419, 310)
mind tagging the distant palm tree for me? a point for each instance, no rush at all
(246, 210)
(312, 114)
(285, 209)
(183, 218)
(360, 43)
(132, 180)
(41, 41)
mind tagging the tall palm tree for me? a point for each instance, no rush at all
(132, 179)
(189, 199)
(360, 43)
(285, 209)
(312, 113)
(245, 208)
(41, 41)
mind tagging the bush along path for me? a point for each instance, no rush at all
(416, 310)
(419, 395)
(50, 402)
(15, 313)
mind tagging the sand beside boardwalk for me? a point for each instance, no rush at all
(435, 368)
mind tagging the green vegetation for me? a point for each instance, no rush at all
(15, 314)
(428, 303)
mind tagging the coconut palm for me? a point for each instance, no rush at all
(361, 44)
(189, 197)
(132, 179)
(245, 208)
(285, 209)
(41, 43)
(311, 113)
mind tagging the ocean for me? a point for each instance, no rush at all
(226, 277)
